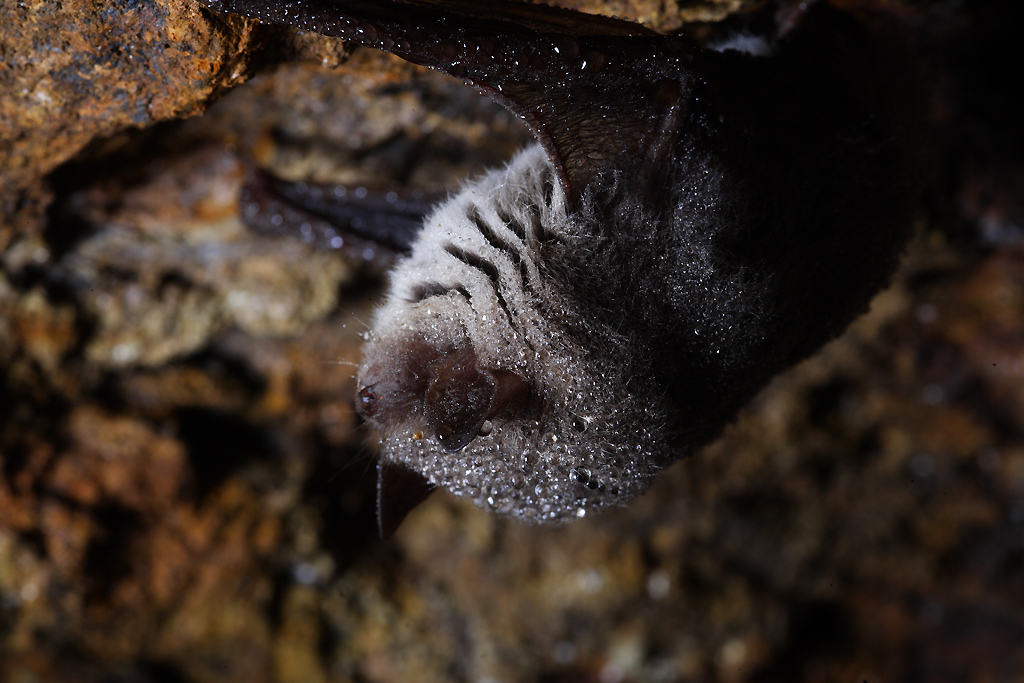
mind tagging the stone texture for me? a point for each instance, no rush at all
(184, 490)
(77, 71)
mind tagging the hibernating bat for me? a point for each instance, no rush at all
(693, 221)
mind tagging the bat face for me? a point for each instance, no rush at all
(692, 223)
(483, 375)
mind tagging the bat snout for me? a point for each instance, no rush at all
(445, 391)
(389, 394)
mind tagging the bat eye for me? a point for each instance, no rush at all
(366, 401)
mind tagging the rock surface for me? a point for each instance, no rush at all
(78, 72)
(184, 490)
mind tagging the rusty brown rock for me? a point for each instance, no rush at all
(78, 71)
(174, 266)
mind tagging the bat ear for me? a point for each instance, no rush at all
(600, 94)
(458, 399)
(399, 490)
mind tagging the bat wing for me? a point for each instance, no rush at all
(600, 94)
(335, 216)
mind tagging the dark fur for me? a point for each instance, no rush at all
(790, 206)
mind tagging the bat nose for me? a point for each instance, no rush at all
(388, 394)
(448, 391)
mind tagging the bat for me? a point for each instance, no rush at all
(693, 220)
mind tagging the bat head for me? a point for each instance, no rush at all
(483, 378)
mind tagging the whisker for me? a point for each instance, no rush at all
(366, 325)
(364, 454)
(349, 363)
